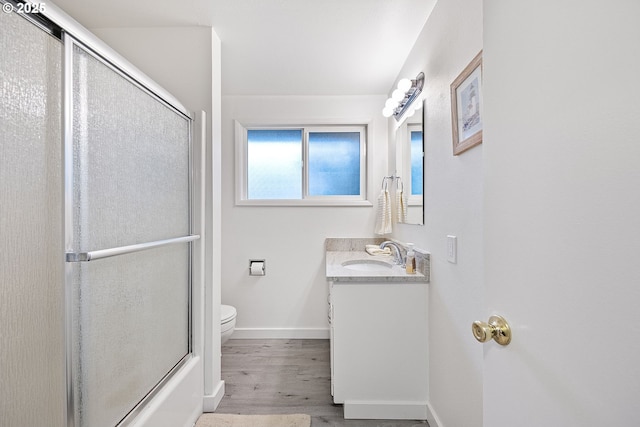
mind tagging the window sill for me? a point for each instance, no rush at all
(306, 202)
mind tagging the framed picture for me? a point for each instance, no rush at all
(466, 107)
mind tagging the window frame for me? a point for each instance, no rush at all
(241, 152)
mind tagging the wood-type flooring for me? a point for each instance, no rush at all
(286, 377)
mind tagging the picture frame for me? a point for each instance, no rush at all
(466, 107)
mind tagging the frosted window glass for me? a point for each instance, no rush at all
(131, 161)
(334, 163)
(31, 244)
(131, 323)
(274, 164)
(416, 163)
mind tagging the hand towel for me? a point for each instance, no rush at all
(375, 250)
(401, 207)
(383, 218)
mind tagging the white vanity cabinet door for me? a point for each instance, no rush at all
(379, 349)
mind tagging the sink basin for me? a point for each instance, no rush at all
(366, 265)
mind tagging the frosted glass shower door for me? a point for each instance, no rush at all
(31, 263)
(127, 157)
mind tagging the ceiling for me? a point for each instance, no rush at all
(284, 47)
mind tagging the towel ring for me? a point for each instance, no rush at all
(392, 177)
(384, 182)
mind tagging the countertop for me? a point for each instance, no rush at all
(336, 272)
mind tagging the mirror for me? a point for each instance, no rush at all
(410, 164)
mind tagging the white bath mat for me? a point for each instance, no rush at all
(233, 420)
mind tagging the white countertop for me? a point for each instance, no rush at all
(337, 272)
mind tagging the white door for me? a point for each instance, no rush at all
(562, 212)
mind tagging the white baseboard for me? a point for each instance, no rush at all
(281, 333)
(432, 417)
(211, 401)
(385, 410)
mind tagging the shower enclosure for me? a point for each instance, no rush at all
(96, 181)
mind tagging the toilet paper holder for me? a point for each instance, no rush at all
(257, 267)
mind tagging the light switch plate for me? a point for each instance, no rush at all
(452, 249)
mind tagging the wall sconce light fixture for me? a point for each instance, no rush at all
(401, 99)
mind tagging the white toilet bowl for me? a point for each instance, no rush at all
(227, 322)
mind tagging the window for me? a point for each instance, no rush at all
(307, 165)
(334, 163)
(273, 164)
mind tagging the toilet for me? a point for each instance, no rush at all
(227, 322)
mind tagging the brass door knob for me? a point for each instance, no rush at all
(497, 328)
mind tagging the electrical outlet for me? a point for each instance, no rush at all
(452, 249)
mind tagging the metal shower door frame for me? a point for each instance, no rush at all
(72, 36)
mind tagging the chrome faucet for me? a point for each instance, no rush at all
(398, 254)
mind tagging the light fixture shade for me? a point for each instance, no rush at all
(404, 85)
(397, 95)
(408, 92)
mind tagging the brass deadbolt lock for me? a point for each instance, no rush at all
(497, 328)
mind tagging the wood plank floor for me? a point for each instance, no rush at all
(286, 376)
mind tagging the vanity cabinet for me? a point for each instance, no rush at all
(379, 357)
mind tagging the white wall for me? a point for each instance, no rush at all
(186, 62)
(291, 300)
(450, 39)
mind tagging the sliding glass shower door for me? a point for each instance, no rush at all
(127, 231)
(31, 266)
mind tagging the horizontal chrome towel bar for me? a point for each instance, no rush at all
(106, 253)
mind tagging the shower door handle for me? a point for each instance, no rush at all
(106, 253)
